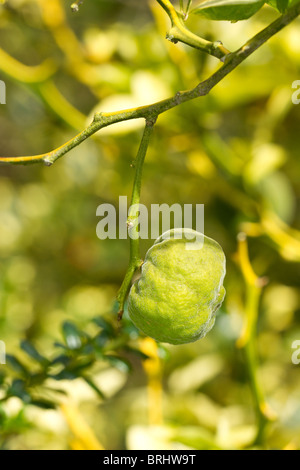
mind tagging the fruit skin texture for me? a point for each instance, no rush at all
(179, 291)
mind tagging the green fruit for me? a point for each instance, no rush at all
(180, 288)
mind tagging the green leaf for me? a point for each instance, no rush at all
(163, 352)
(278, 195)
(78, 367)
(15, 364)
(118, 362)
(57, 344)
(94, 387)
(55, 390)
(17, 389)
(103, 324)
(100, 340)
(64, 375)
(72, 335)
(13, 424)
(33, 353)
(272, 3)
(44, 404)
(137, 353)
(231, 10)
(188, 6)
(282, 5)
(62, 359)
(2, 378)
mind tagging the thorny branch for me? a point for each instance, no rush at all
(151, 111)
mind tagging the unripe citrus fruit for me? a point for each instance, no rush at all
(180, 288)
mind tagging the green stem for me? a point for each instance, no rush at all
(179, 32)
(133, 217)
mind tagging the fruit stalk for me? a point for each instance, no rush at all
(133, 216)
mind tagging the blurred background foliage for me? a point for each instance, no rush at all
(236, 151)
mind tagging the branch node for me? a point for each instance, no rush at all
(171, 38)
(178, 97)
(120, 315)
(129, 224)
(98, 117)
(151, 121)
(243, 49)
